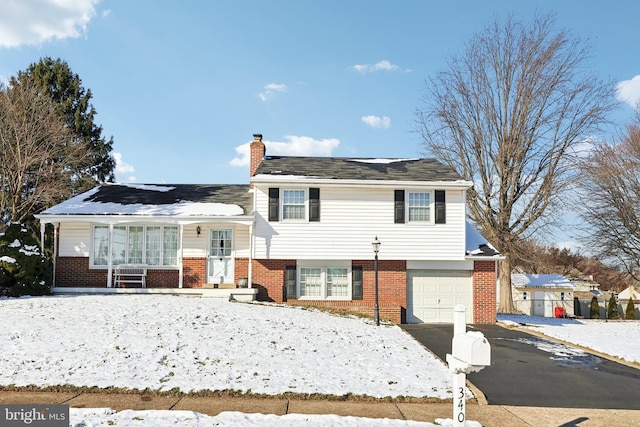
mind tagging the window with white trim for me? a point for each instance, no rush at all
(419, 207)
(293, 204)
(324, 282)
(136, 244)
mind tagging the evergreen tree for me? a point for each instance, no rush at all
(630, 312)
(612, 308)
(24, 270)
(594, 311)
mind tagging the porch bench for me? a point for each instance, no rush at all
(130, 274)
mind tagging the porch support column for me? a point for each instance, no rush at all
(56, 230)
(42, 229)
(180, 253)
(249, 267)
(110, 258)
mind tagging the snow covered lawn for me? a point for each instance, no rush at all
(166, 342)
(613, 337)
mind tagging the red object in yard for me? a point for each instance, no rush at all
(560, 312)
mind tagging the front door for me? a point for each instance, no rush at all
(220, 265)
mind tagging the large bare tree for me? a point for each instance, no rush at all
(611, 194)
(36, 158)
(509, 114)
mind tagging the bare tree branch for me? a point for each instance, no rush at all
(36, 157)
(507, 114)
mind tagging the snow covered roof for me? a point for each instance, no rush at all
(476, 244)
(550, 281)
(158, 200)
(368, 169)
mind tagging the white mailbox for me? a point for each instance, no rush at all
(472, 348)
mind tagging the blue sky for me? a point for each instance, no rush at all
(182, 85)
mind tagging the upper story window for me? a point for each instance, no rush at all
(419, 207)
(298, 204)
(293, 204)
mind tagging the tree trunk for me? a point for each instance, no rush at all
(506, 297)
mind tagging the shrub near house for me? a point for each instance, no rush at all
(24, 270)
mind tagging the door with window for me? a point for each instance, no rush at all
(220, 265)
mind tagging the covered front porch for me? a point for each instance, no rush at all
(180, 237)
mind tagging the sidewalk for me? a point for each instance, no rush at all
(487, 415)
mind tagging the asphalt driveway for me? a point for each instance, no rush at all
(529, 371)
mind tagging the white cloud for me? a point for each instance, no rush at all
(383, 122)
(629, 91)
(36, 21)
(271, 90)
(383, 65)
(294, 146)
(123, 168)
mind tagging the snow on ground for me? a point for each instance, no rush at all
(166, 342)
(613, 337)
(108, 417)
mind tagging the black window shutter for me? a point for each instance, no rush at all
(399, 206)
(274, 203)
(441, 210)
(314, 204)
(356, 282)
(290, 281)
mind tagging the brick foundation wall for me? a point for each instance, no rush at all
(484, 292)
(268, 275)
(75, 272)
(194, 272)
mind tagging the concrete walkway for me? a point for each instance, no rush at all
(487, 415)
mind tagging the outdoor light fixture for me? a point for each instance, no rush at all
(198, 230)
(376, 249)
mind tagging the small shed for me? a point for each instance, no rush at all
(546, 295)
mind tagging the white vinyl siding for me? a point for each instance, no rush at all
(351, 219)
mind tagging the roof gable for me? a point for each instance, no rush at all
(358, 168)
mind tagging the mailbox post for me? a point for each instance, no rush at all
(470, 353)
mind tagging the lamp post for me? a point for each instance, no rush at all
(376, 249)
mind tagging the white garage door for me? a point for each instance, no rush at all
(432, 295)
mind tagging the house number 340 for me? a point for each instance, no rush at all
(461, 408)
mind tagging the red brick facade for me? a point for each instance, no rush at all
(484, 291)
(75, 272)
(269, 279)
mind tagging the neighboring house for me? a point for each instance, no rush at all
(300, 232)
(542, 294)
(584, 284)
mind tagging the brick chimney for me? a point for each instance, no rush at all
(257, 153)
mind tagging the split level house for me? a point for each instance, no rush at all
(300, 232)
